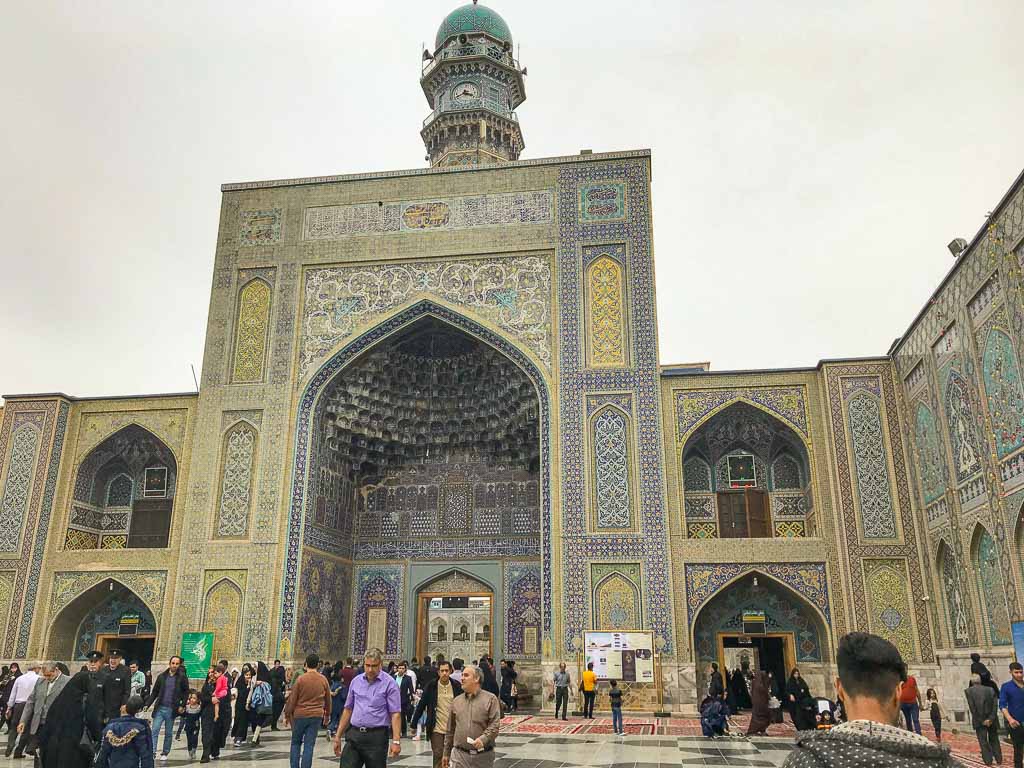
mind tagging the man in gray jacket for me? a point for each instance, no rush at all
(34, 715)
(984, 706)
(871, 674)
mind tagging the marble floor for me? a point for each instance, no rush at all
(517, 750)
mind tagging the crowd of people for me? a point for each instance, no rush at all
(116, 716)
(876, 718)
(113, 715)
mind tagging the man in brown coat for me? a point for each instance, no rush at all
(472, 725)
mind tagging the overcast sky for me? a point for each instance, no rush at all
(810, 159)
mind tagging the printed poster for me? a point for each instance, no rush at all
(625, 656)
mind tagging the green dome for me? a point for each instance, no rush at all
(472, 18)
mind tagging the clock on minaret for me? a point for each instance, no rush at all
(466, 92)
(473, 84)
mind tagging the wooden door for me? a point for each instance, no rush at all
(758, 516)
(732, 515)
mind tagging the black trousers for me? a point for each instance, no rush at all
(367, 749)
(561, 699)
(988, 741)
(209, 730)
(1017, 737)
(14, 744)
(278, 709)
(588, 703)
(223, 724)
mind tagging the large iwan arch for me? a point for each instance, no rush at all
(319, 528)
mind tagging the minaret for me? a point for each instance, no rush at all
(473, 84)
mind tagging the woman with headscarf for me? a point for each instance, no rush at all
(978, 668)
(11, 674)
(68, 719)
(260, 693)
(799, 701)
(490, 682)
(738, 689)
(240, 728)
(760, 714)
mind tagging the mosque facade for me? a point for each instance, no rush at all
(432, 418)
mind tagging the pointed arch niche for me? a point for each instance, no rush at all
(607, 333)
(92, 621)
(610, 437)
(746, 474)
(618, 605)
(429, 421)
(795, 633)
(252, 322)
(454, 616)
(958, 616)
(994, 614)
(238, 471)
(123, 493)
(223, 601)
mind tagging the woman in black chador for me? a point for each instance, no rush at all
(738, 689)
(61, 736)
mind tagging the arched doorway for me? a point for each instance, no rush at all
(123, 493)
(454, 617)
(759, 623)
(746, 474)
(423, 441)
(104, 617)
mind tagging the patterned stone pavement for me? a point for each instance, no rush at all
(531, 741)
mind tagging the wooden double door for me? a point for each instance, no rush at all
(744, 514)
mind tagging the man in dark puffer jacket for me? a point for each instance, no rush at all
(871, 673)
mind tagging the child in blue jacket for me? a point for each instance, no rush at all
(127, 741)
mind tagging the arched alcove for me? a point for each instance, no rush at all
(991, 590)
(793, 631)
(123, 493)
(747, 474)
(94, 619)
(428, 422)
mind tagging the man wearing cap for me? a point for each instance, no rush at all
(94, 699)
(116, 683)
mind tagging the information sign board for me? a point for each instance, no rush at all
(627, 656)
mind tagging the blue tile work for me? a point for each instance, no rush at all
(51, 418)
(788, 403)
(581, 238)
(379, 586)
(522, 586)
(300, 512)
(703, 581)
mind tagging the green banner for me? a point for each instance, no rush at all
(197, 653)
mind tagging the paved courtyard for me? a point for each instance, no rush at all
(533, 741)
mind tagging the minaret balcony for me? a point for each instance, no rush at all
(470, 50)
(491, 105)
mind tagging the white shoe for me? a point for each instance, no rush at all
(163, 758)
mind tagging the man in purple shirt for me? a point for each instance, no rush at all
(374, 705)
